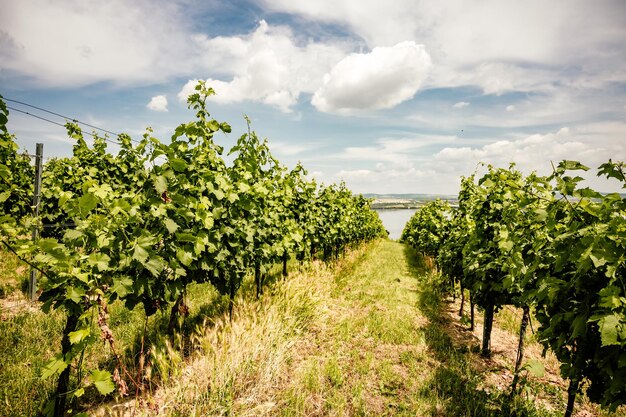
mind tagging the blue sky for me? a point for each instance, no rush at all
(392, 97)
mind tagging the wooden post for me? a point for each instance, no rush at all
(32, 282)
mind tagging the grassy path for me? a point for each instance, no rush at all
(366, 337)
(382, 348)
(368, 349)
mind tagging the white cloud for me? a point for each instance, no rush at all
(510, 107)
(380, 79)
(397, 151)
(267, 66)
(393, 165)
(591, 144)
(389, 180)
(289, 148)
(496, 45)
(158, 103)
(401, 166)
(461, 104)
(76, 43)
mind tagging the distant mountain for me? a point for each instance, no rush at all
(407, 201)
(418, 197)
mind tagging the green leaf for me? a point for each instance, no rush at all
(232, 197)
(155, 266)
(243, 187)
(213, 125)
(597, 262)
(99, 260)
(225, 127)
(573, 165)
(178, 164)
(219, 194)
(610, 297)
(535, 367)
(186, 237)
(579, 326)
(87, 202)
(609, 330)
(506, 245)
(75, 294)
(171, 225)
(4, 196)
(140, 254)
(160, 184)
(64, 196)
(122, 286)
(5, 172)
(72, 234)
(103, 382)
(541, 214)
(78, 335)
(184, 257)
(53, 366)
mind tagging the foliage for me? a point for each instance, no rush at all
(16, 174)
(581, 294)
(141, 225)
(426, 229)
(547, 242)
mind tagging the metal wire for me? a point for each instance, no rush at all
(57, 123)
(60, 115)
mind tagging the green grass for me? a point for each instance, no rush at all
(13, 274)
(366, 336)
(29, 338)
(383, 349)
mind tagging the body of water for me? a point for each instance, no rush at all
(394, 220)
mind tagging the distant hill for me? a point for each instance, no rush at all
(417, 197)
(407, 201)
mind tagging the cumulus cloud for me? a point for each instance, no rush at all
(392, 165)
(590, 144)
(389, 180)
(290, 148)
(496, 45)
(270, 67)
(396, 151)
(405, 165)
(381, 79)
(76, 43)
(158, 103)
(460, 104)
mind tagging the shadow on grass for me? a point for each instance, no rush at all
(456, 383)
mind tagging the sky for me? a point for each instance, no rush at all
(402, 96)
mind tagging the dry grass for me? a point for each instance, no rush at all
(13, 276)
(237, 364)
(549, 390)
(369, 336)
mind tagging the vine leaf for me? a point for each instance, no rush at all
(122, 286)
(535, 367)
(103, 382)
(608, 330)
(53, 366)
(171, 225)
(160, 184)
(78, 335)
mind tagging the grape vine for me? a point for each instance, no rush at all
(139, 226)
(548, 244)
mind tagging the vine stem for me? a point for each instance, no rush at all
(10, 248)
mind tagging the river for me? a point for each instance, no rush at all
(394, 220)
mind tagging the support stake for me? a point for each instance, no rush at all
(32, 282)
